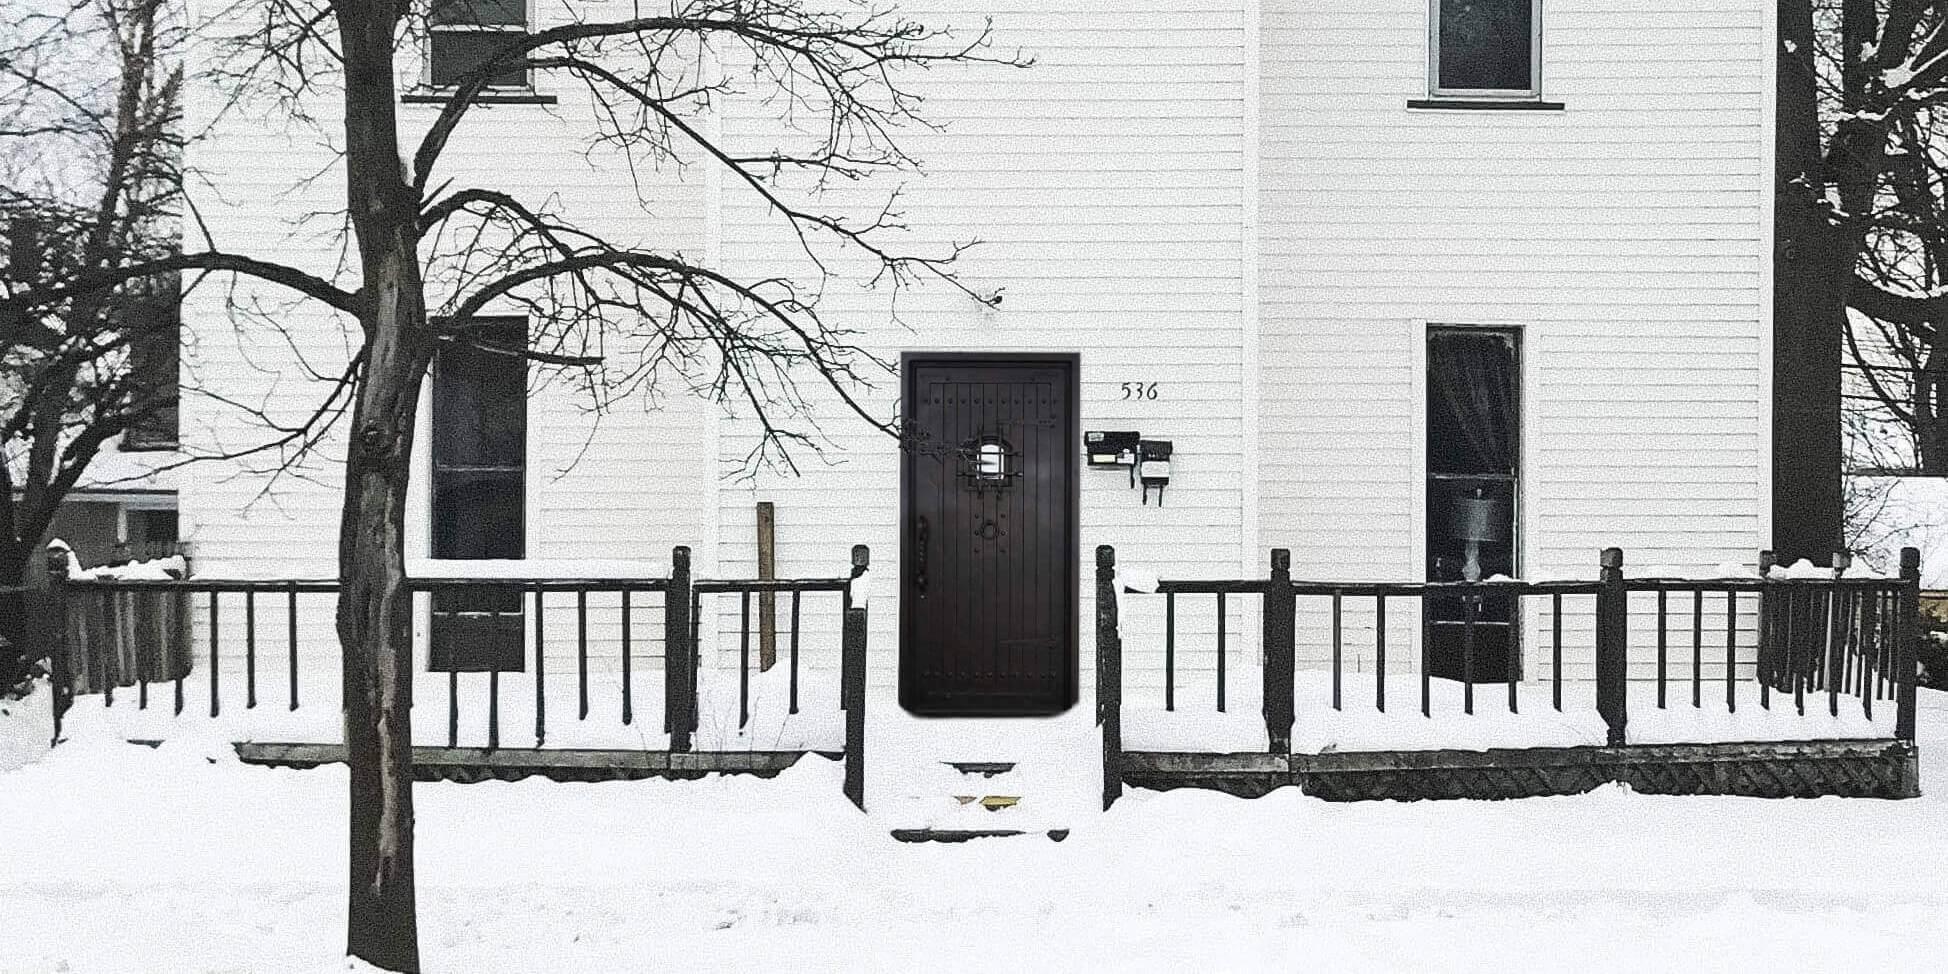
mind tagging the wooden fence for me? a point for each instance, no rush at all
(110, 633)
(1826, 639)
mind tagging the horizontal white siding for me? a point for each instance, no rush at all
(1109, 186)
(1623, 236)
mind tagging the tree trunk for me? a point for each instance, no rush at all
(374, 609)
(1814, 266)
(16, 643)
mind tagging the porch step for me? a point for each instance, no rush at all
(968, 835)
(986, 769)
(992, 803)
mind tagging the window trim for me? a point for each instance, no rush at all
(1484, 95)
(431, 93)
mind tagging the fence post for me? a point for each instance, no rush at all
(679, 656)
(54, 629)
(1280, 609)
(1906, 626)
(852, 679)
(1612, 646)
(861, 561)
(1772, 653)
(1109, 675)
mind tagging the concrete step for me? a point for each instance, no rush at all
(968, 835)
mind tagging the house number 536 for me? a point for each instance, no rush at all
(1139, 390)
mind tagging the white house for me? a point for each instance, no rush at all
(1413, 288)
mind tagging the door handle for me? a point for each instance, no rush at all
(920, 560)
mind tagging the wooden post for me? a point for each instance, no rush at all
(1109, 675)
(1612, 646)
(853, 692)
(54, 630)
(679, 653)
(1280, 608)
(1774, 654)
(861, 561)
(1907, 624)
(767, 601)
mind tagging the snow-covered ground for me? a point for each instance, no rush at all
(123, 858)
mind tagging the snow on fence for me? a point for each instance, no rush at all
(232, 649)
(1780, 656)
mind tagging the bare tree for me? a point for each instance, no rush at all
(432, 260)
(1859, 85)
(1896, 351)
(89, 183)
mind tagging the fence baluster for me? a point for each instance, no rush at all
(1170, 651)
(452, 708)
(1697, 647)
(628, 703)
(1731, 650)
(1380, 668)
(1555, 628)
(1885, 680)
(1850, 640)
(1663, 642)
(250, 649)
(291, 636)
(1866, 619)
(1220, 652)
(161, 652)
(1791, 652)
(1338, 642)
(1470, 611)
(581, 651)
(794, 650)
(494, 683)
(215, 707)
(540, 666)
(1836, 667)
(108, 679)
(744, 662)
(1514, 706)
(1767, 637)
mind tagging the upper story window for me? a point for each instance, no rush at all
(1485, 48)
(464, 34)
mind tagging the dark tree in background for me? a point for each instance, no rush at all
(429, 261)
(1858, 238)
(90, 182)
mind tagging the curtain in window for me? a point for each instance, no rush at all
(1475, 404)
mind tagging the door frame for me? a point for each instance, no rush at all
(1070, 362)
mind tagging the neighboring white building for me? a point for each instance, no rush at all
(1254, 230)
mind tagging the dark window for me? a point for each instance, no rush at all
(154, 528)
(1474, 411)
(479, 490)
(1485, 46)
(465, 34)
(155, 361)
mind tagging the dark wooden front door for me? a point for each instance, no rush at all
(988, 553)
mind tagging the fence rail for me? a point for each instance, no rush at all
(77, 607)
(1838, 637)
